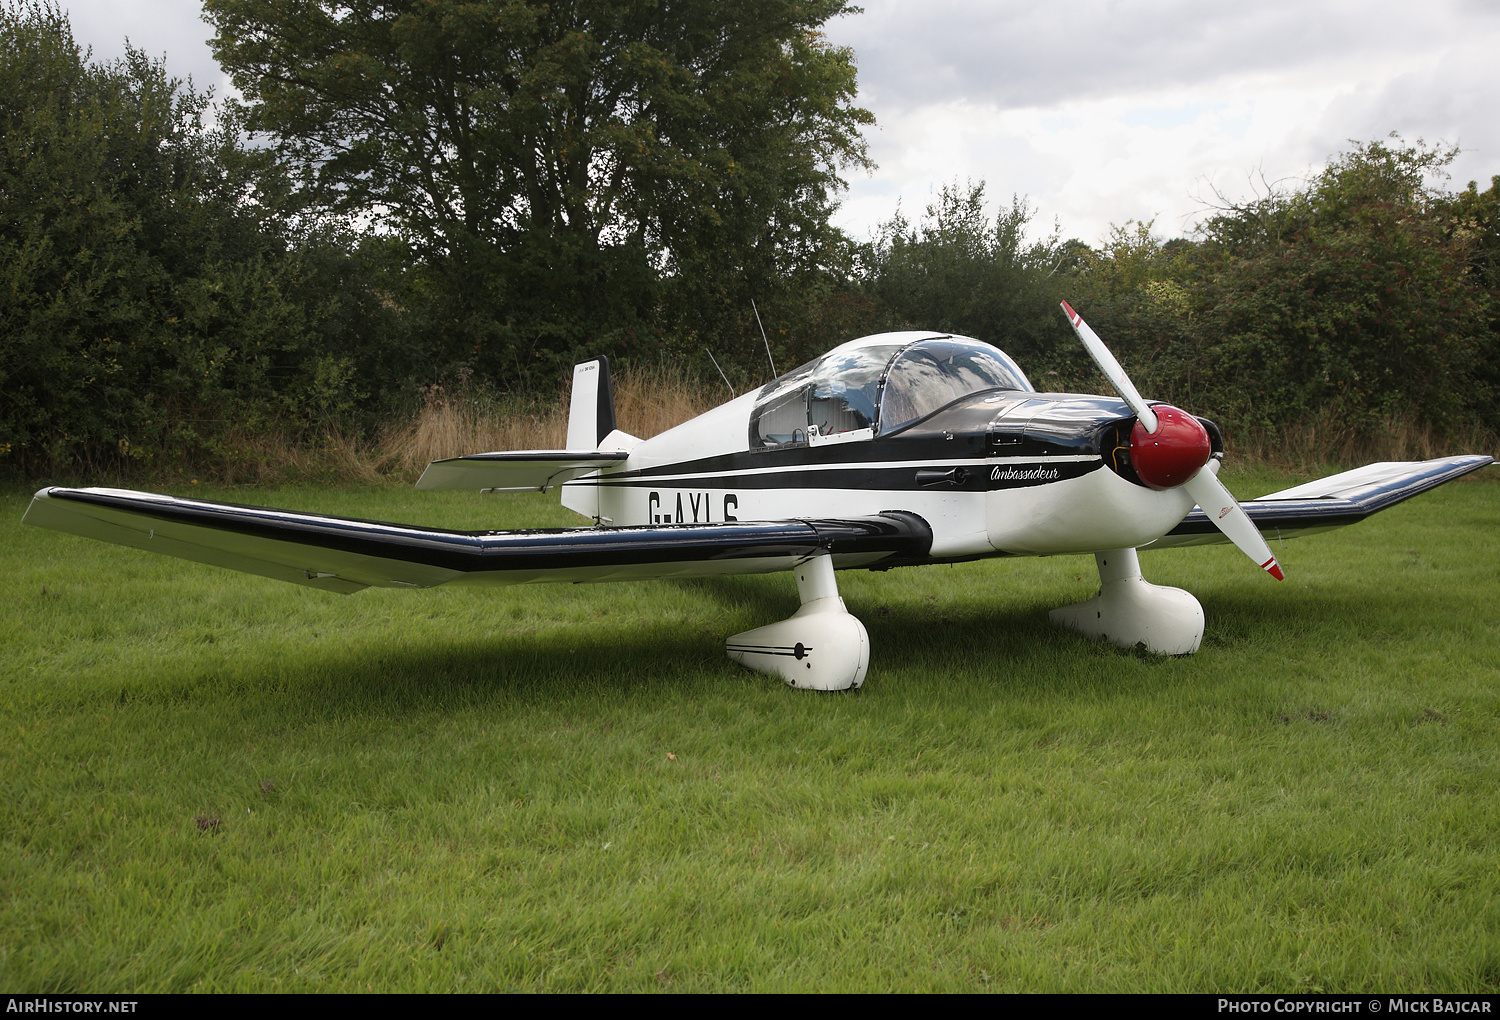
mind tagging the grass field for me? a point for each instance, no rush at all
(217, 782)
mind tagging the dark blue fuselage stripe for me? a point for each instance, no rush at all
(980, 477)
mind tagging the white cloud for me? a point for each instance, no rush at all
(1022, 53)
(1104, 112)
(171, 28)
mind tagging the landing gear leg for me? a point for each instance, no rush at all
(1132, 613)
(820, 647)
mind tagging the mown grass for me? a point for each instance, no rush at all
(215, 782)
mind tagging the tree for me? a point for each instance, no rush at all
(559, 167)
(1354, 296)
(153, 292)
(1474, 222)
(960, 269)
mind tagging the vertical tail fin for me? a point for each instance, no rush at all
(591, 414)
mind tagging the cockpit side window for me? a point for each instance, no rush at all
(780, 414)
(846, 388)
(931, 374)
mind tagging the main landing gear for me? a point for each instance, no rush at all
(821, 647)
(1133, 613)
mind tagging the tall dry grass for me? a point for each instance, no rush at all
(450, 424)
(1325, 441)
(261, 459)
(453, 421)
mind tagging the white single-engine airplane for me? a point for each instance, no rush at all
(891, 450)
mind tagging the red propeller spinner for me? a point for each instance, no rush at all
(1173, 453)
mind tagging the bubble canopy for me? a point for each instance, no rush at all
(876, 386)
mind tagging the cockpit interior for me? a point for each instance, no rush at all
(877, 386)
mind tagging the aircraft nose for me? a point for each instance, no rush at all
(1173, 453)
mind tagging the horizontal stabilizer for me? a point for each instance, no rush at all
(516, 471)
(346, 554)
(1333, 502)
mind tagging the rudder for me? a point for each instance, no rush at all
(591, 413)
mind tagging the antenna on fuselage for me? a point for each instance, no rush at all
(721, 371)
(763, 336)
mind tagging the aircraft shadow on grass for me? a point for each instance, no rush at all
(1008, 647)
(1009, 650)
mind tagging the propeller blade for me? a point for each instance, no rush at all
(1204, 486)
(1228, 516)
(1111, 369)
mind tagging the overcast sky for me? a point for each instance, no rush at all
(1100, 111)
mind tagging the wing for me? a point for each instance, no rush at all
(515, 471)
(1333, 502)
(345, 554)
